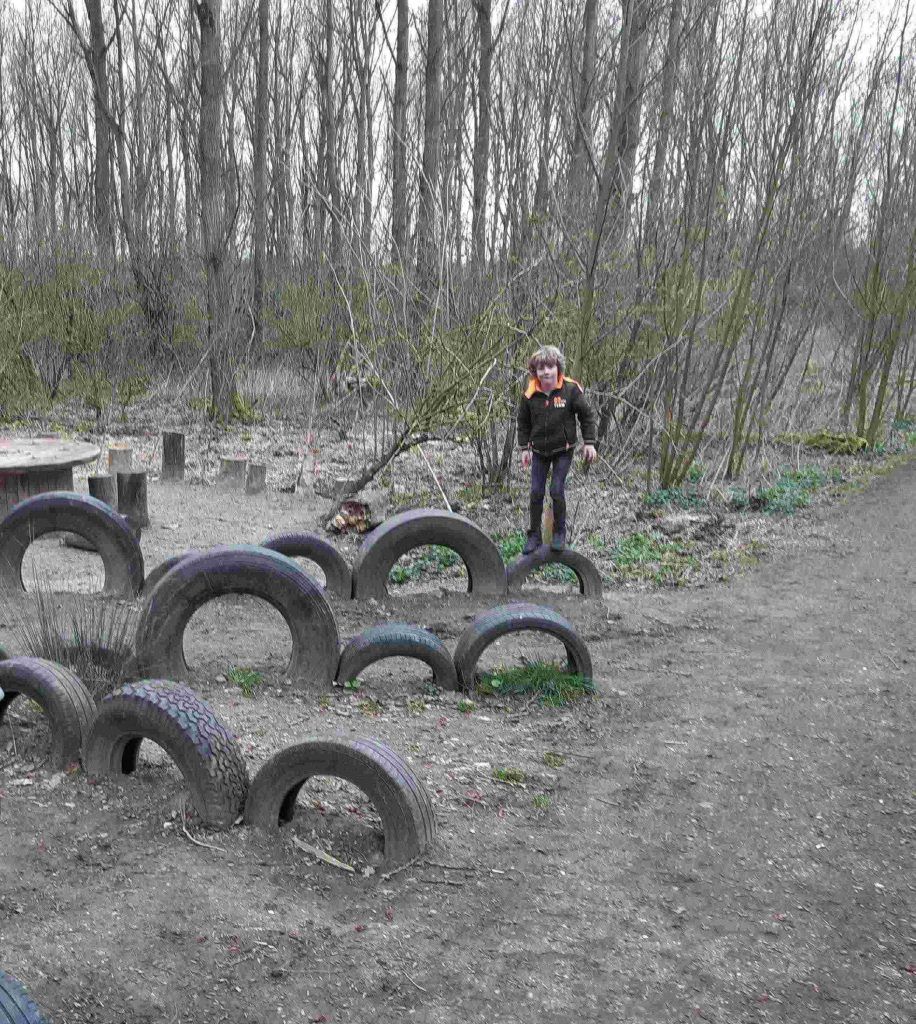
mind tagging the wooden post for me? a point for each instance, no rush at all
(256, 480)
(132, 500)
(172, 455)
(232, 471)
(104, 487)
(120, 458)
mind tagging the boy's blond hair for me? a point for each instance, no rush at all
(547, 355)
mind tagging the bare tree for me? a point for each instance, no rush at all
(259, 168)
(432, 141)
(213, 222)
(482, 137)
(399, 137)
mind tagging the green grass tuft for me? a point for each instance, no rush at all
(246, 679)
(649, 556)
(550, 682)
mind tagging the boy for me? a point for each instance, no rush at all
(546, 422)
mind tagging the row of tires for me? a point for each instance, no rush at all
(317, 658)
(108, 532)
(106, 740)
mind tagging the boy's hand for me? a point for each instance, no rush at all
(589, 453)
(526, 458)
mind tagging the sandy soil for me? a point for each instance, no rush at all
(726, 832)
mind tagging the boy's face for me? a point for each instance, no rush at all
(547, 376)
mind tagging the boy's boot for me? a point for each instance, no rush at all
(533, 539)
(558, 541)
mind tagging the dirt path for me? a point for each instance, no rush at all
(731, 838)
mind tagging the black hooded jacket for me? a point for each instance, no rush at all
(547, 423)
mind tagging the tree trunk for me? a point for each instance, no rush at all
(259, 171)
(98, 69)
(432, 143)
(482, 138)
(331, 179)
(212, 222)
(399, 139)
(617, 167)
(585, 101)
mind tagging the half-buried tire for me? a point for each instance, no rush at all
(399, 797)
(337, 573)
(517, 618)
(172, 715)
(155, 575)
(15, 1005)
(241, 569)
(67, 704)
(394, 640)
(585, 569)
(407, 530)
(96, 522)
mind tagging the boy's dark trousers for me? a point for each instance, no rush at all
(540, 467)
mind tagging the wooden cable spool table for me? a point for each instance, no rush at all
(34, 465)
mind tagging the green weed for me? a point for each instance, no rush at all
(428, 561)
(352, 684)
(511, 776)
(541, 801)
(246, 679)
(553, 760)
(466, 706)
(553, 684)
(416, 706)
(676, 497)
(370, 708)
(793, 490)
(649, 556)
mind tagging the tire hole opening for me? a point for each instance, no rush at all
(235, 635)
(51, 564)
(389, 678)
(338, 818)
(431, 567)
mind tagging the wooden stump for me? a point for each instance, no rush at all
(232, 472)
(256, 479)
(132, 500)
(172, 455)
(120, 458)
(104, 487)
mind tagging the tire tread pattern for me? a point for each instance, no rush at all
(187, 728)
(16, 1007)
(400, 799)
(62, 696)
